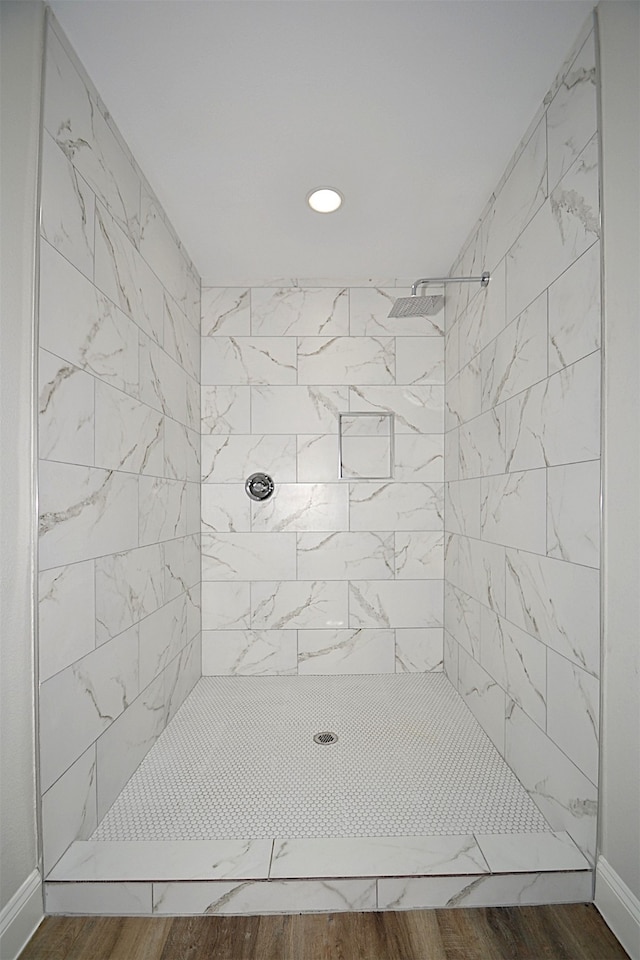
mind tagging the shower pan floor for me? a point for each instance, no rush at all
(239, 761)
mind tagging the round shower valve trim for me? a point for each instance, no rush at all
(259, 486)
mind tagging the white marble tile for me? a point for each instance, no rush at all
(192, 404)
(419, 458)
(248, 360)
(317, 604)
(482, 445)
(513, 510)
(79, 703)
(517, 661)
(346, 360)
(85, 512)
(79, 324)
(370, 308)
(469, 391)
(181, 452)
(249, 653)
(258, 897)
(104, 899)
(300, 311)
(66, 418)
(91, 860)
(345, 651)
(366, 458)
(565, 796)
(163, 383)
(572, 114)
(420, 360)
(225, 507)
(162, 510)
(343, 556)
(180, 340)
(484, 318)
(451, 350)
(450, 659)
(375, 856)
(317, 458)
(396, 506)
(181, 676)
(225, 606)
(557, 602)
(419, 650)
(194, 511)
(162, 635)
(248, 556)
(574, 311)
(226, 311)
(419, 555)
(226, 410)
(128, 435)
(565, 226)
(66, 616)
(452, 455)
(524, 889)
(159, 247)
(573, 513)
(517, 358)
(452, 408)
(395, 603)
(415, 409)
(69, 809)
(556, 421)
(129, 586)
(68, 208)
(480, 571)
(303, 507)
(233, 458)
(462, 507)
(573, 710)
(462, 619)
(182, 568)
(303, 409)
(484, 696)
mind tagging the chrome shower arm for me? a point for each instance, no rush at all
(483, 280)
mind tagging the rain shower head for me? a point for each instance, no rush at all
(422, 306)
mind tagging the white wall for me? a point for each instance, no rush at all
(618, 878)
(22, 40)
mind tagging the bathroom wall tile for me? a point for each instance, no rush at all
(160, 249)
(129, 586)
(66, 616)
(65, 411)
(162, 635)
(573, 713)
(469, 391)
(181, 452)
(181, 676)
(303, 409)
(69, 809)
(193, 601)
(106, 899)
(419, 360)
(83, 327)
(162, 509)
(194, 508)
(452, 409)
(396, 506)
(226, 311)
(419, 457)
(462, 615)
(574, 311)
(484, 318)
(573, 513)
(192, 403)
(231, 459)
(462, 507)
(565, 226)
(248, 360)
(300, 311)
(163, 383)
(308, 507)
(366, 458)
(479, 571)
(248, 556)
(482, 447)
(68, 208)
(277, 896)
(346, 360)
(180, 340)
(79, 703)
(128, 435)
(450, 659)
(85, 512)
(513, 510)
(556, 602)
(225, 508)
(452, 454)
(226, 410)
(395, 603)
(497, 890)
(484, 696)
(419, 555)
(343, 556)
(287, 605)
(226, 606)
(345, 651)
(370, 307)
(565, 796)
(182, 568)
(415, 409)
(317, 458)
(572, 114)
(558, 420)
(419, 650)
(513, 853)
(517, 358)
(249, 652)
(517, 662)
(451, 350)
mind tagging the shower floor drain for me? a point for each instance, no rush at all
(326, 737)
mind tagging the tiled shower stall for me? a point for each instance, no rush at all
(478, 555)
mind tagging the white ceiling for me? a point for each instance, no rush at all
(236, 109)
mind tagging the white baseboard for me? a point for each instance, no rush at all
(21, 917)
(619, 906)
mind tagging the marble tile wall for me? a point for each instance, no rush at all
(330, 575)
(522, 449)
(119, 442)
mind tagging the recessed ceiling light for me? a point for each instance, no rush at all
(324, 200)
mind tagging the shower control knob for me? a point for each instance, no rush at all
(259, 486)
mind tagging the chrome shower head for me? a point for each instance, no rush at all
(416, 306)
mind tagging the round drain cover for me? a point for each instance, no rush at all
(326, 737)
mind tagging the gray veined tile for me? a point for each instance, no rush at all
(343, 555)
(249, 653)
(304, 604)
(420, 360)
(417, 409)
(419, 649)
(346, 360)
(396, 506)
(160, 249)
(395, 603)
(300, 311)
(370, 308)
(248, 556)
(573, 513)
(513, 510)
(492, 890)
(574, 311)
(254, 897)
(226, 606)
(317, 507)
(573, 713)
(128, 587)
(226, 409)
(225, 508)
(419, 555)
(129, 435)
(109, 899)
(517, 662)
(162, 509)
(69, 808)
(248, 360)
(226, 311)
(484, 696)
(68, 208)
(180, 340)
(233, 458)
(66, 616)
(66, 415)
(297, 409)
(572, 114)
(345, 651)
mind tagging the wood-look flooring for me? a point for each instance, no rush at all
(566, 932)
